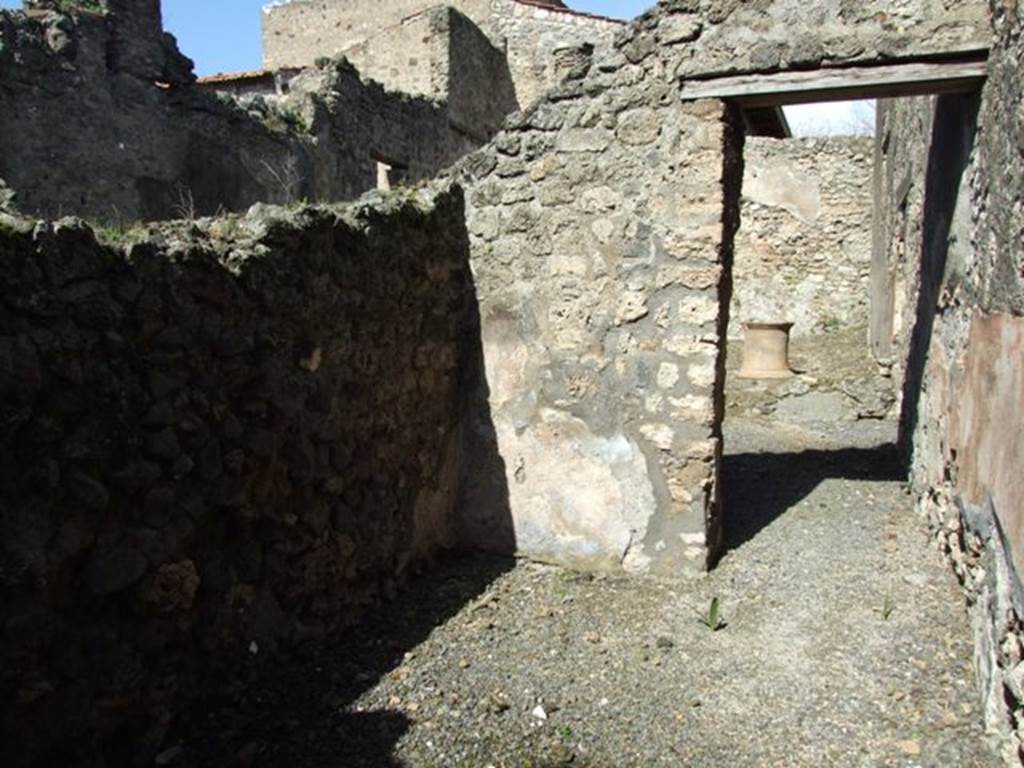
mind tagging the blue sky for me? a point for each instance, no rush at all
(224, 36)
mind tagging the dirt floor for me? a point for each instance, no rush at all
(845, 642)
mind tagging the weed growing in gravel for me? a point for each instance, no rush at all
(888, 606)
(712, 618)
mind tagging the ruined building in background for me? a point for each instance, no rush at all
(433, 49)
(228, 433)
(122, 132)
(406, 44)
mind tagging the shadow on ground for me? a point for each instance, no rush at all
(760, 487)
(303, 716)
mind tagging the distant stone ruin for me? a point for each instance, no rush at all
(224, 434)
(121, 134)
(404, 44)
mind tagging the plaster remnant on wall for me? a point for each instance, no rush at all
(783, 187)
(552, 381)
(599, 283)
(585, 498)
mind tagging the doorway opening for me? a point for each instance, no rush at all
(847, 226)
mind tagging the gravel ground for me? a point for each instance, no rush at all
(846, 641)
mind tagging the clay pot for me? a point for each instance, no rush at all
(765, 351)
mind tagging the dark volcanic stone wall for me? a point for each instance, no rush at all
(218, 443)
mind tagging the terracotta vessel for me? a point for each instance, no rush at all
(765, 351)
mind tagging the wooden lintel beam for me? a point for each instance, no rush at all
(860, 82)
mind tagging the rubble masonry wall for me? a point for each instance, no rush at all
(530, 35)
(950, 275)
(221, 440)
(601, 225)
(803, 251)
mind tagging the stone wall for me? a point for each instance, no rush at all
(541, 43)
(532, 35)
(410, 56)
(119, 144)
(803, 252)
(732, 36)
(349, 126)
(601, 225)
(481, 91)
(443, 55)
(136, 42)
(949, 277)
(295, 33)
(901, 167)
(220, 441)
(222, 438)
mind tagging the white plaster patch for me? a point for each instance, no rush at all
(680, 493)
(701, 449)
(511, 368)
(313, 362)
(603, 230)
(782, 187)
(692, 407)
(684, 345)
(584, 140)
(567, 264)
(581, 500)
(695, 278)
(632, 307)
(485, 223)
(599, 199)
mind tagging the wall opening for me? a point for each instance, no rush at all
(827, 243)
(801, 265)
(390, 172)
